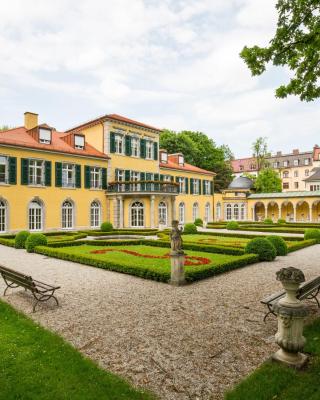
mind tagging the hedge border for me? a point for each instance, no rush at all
(302, 245)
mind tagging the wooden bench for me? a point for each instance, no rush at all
(308, 290)
(40, 291)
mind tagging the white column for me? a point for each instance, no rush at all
(173, 207)
(279, 208)
(152, 211)
(310, 212)
(294, 213)
(121, 216)
(115, 212)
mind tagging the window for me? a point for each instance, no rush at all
(218, 211)
(181, 213)
(275, 165)
(306, 172)
(253, 166)
(137, 215)
(119, 144)
(241, 168)
(182, 185)
(3, 216)
(285, 163)
(121, 179)
(181, 160)
(296, 162)
(135, 147)
(207, 212)
(296, 185)
(164, 157)
(229, 212)
(79, 142)
(285, 185)
(35, 216)
(135, 176)
(67, 215)
(95, 214)
(285, 174)
(36, 172)
(236, 212)
(313, 188)
(45, 136)
(243, 212)
(196, 186)
(95, 178)
(306, 161)
(3, 169)
(296, 174)
(167, 178)
(206, 187)
(149, 148)
(68, 175)
(163, 220)
(195, 211)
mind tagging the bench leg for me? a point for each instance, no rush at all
(9, 285)
(314, 297)
(268, 313)
(43, 297)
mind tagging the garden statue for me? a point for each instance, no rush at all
(177, 256)
(176, 239)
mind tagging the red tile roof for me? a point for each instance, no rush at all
(186, 167)
(21, 138)
(245, 163)
(114, 117)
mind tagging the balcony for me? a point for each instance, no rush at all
(143, 187)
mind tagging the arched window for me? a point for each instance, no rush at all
(218, 211)
(229, 212)
(67, 215)
(137, 214)
(236, 211)
(243, 212)
(207, 212)
(3, 216)
(163, 213)
(35, 216)
(95, 214)
(181, 213)
(195, 211)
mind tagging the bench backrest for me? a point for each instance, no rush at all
(308, 287)
(17, 277)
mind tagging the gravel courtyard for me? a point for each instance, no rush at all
(191, 342)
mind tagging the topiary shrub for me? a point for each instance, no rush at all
(268, 221)
(279, 244)
(232, 225)
(20, 239)
(35, 239)
(198, 222)
(262, 247)
(281, 221)
(190, 228)
(312, 234)
(106, 227)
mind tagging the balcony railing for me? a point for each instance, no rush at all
(143, 187)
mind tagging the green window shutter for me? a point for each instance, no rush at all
(47, 173)
(191, 185)
(104, 178)
(177, 181)
(24, 171)
(199, 185)
(187, 185)
(172, 178)
(156, 177)
(112, 142)
(161, 177)
(78, 176)
(128, 150)
(127, 175)
(13, 170)
(143, 148)
(204, 187)
(87, 180)
(155, 150)
(148, 178)
(143, 178)
(211, 187)
(58, 171)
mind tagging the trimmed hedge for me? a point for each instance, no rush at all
(245, 235)
(106, 226)
(20, 239)
(268, 221)
(190, 228)
(198, 222)
(232, 225)
(35, 239)
(301, 245)
(262, 247)
(279, 244)
(312, 234)
(121, 232)
(7, 242)
(281, 221)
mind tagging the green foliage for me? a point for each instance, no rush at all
(298, 245)
(106, 227)
(4, 128)
(35, 239)
(268, 221)
(281, 221)
(232, 225)
(201, 151)
(296, 45)
(261, 246)
(20, 239)
(268, 181)
(190, 228)
(279, 244)
(312, 234)
(40, 365)
(260, 152)
(198, 222)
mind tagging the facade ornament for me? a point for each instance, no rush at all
(176, 239)
(177, 256)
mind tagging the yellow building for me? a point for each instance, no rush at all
(109, 169)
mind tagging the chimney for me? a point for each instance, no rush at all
(295, 152)
(279, 153)
(30, 120)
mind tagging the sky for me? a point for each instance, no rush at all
(172, 64)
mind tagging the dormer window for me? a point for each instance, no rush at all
(164, 157)
(181, 160)
(44, 136)
(79, 142)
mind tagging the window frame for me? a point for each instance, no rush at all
(94, 172)
(67, 215)
(6, 169)
(95, 214)
(35, 168)
(149, 149)
(73, 177)
(35, 216)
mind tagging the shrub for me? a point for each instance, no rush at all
(198, 222)
(312, 234)
(279, 244)
(268, 221)
(35, 239)
(281, 221)
(261, 246)
(106, 227)
(190, 228)
(232, 225)
(20, 239)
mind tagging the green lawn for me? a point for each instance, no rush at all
(36, 364)
(273, 381)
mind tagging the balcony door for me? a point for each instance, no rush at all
(137, 215)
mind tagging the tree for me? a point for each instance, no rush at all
(296, 45)
(268, 181)
(202, 152)
(260, 152)
(4, 128)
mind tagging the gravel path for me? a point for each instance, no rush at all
(249, 232)
(191, 342)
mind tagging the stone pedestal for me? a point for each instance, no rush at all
(177, 269)
(291, 314)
